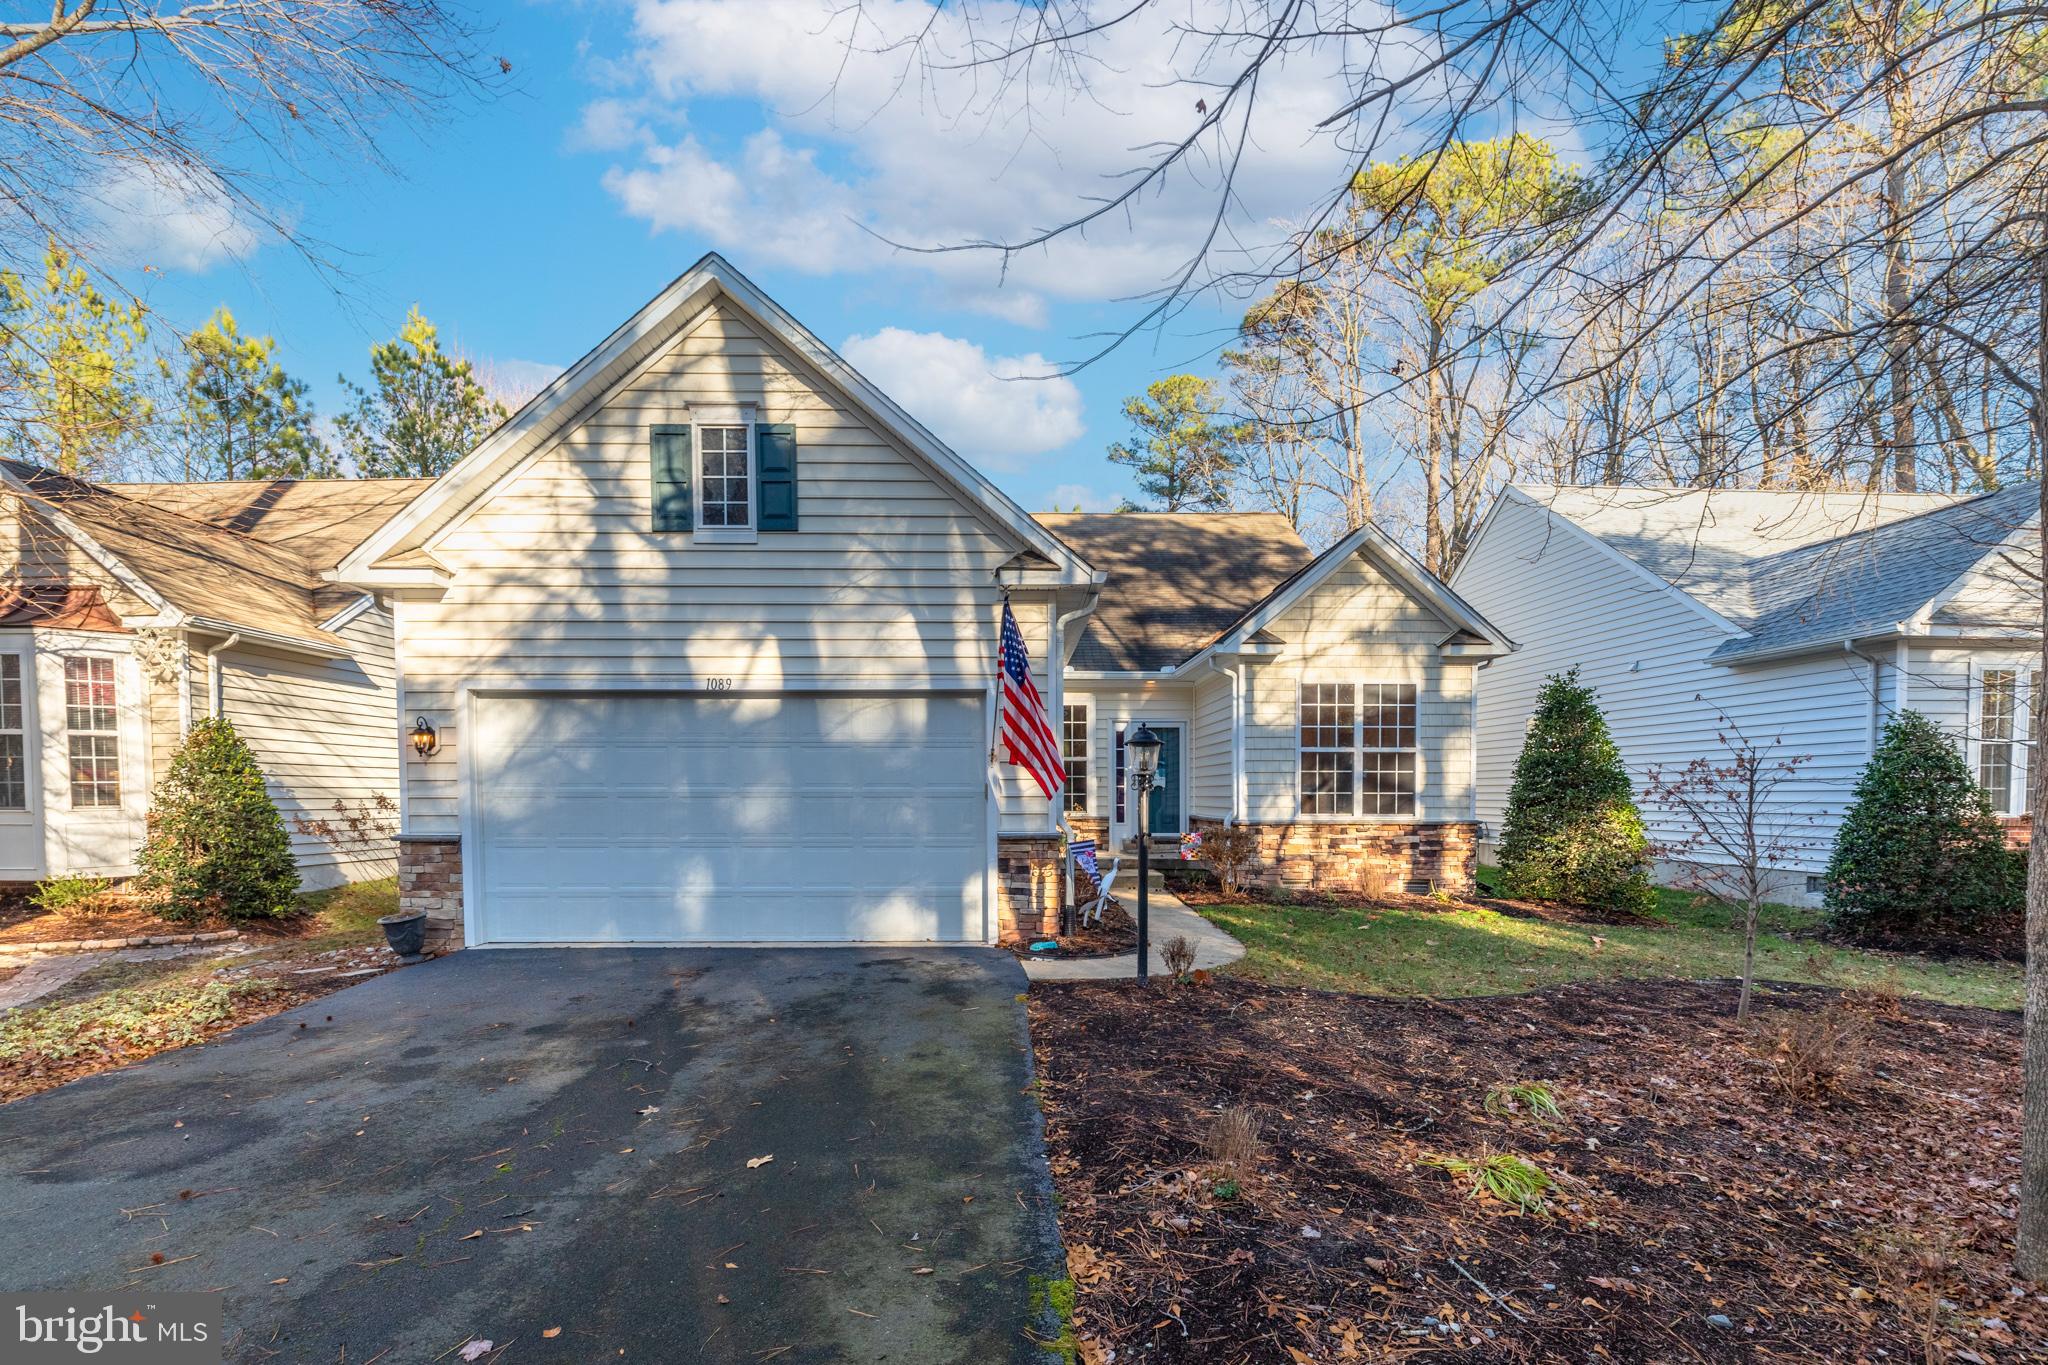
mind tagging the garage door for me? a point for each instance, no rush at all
(670, 819)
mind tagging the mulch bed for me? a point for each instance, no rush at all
(1699, 1212)
(1117, 933)
(111, 917)
(1199, 890)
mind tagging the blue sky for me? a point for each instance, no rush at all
(636, 134)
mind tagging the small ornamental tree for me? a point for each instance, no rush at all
(1572, 832)
(216, 843)
(1920, 850)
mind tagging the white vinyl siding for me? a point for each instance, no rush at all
(324, 730)
(890, 584)
(1209, 778)
(1360, 626)
(1642, 648)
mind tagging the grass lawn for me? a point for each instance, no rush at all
(119, 1012)
(1463, 950)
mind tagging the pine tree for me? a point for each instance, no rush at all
(245, 418)
(71, 363)
(216, 845)
(1183, 458)
(1920, 849)
(1572, 831)
(426, 411)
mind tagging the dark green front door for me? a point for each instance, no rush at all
(1166, 790)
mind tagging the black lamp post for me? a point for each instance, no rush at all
(1142, 747)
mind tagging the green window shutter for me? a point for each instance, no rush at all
(668, 465)
(775, 474)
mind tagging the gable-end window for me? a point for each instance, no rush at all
(725, 478)
(92, 722)
(1074, 749)
(2004, 741)
(1329, 747)
(13, 737)
(1358, 749)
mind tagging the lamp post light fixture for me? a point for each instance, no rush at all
(424, 740)
(1142, 748)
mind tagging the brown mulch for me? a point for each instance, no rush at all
(1116, 933)
(1203, 890)
(1699, 1213)
(122, 916)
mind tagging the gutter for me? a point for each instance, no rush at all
(293, 644)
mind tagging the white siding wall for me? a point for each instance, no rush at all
(96, 840)
(1643, 649)
(558, 580)
(1209, 781)
(1360, 626)
(324, 730)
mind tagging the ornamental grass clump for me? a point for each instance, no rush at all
(1524, 1099)
(1572, 832)
(1513, 1180)
(216, 845)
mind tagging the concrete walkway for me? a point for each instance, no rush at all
(1170, 919)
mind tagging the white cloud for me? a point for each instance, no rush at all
(949, 157)
(156, 217)
(607, 125)
(994, 410)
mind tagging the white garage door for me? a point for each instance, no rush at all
(670, 819)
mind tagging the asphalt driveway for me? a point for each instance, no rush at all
(502, 1143)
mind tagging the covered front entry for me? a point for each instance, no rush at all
(664, 818)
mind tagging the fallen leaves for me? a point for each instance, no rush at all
(756, 1162)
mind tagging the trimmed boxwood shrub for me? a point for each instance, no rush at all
(1572, 831)
(1920, 851)
(216, 844)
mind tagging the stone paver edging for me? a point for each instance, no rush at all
(14, 954)
(1170, 919)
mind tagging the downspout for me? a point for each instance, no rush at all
(216, 691)
(1236, 675)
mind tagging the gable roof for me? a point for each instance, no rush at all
(204, 567)
(558, 405)
(1794, 570)
(1174, 580)
(319, 520)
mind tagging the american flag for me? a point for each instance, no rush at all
(1026, 733)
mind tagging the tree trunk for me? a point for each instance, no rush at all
(2032, 1259)
(1748, 961)
(1433, 459)
(1898, 298)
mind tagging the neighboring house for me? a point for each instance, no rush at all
(707, 635)
(129, 611)
(1805, 618)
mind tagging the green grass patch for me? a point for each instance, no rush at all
(346, 916)
(128, 1019)
(1475, 951)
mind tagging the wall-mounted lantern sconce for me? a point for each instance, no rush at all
(424, 740)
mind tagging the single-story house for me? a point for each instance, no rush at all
(706, 636)
(127, 611)
(1805, 618)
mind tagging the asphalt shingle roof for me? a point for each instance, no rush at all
(1175, 580)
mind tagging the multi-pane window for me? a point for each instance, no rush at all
(725, 496)
(13, 740)
(1386, 742)
(93, 721)
(1329, 749)
(1358, 749)
(2004, 740)
(1074, 749)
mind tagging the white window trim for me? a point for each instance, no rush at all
(749, 534)
(26, 729)
(1358, 751)
(113, 663)
(1087, 807)
(2014, 801)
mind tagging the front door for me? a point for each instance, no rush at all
(1166, 789)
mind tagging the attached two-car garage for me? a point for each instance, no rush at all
(667, 818)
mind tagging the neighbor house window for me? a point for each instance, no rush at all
(725, 479)
(1074, 749)
(1358, 749)
(93, 722)
(13, 740)
(2003, 740)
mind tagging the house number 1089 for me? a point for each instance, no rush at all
(718, 684)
